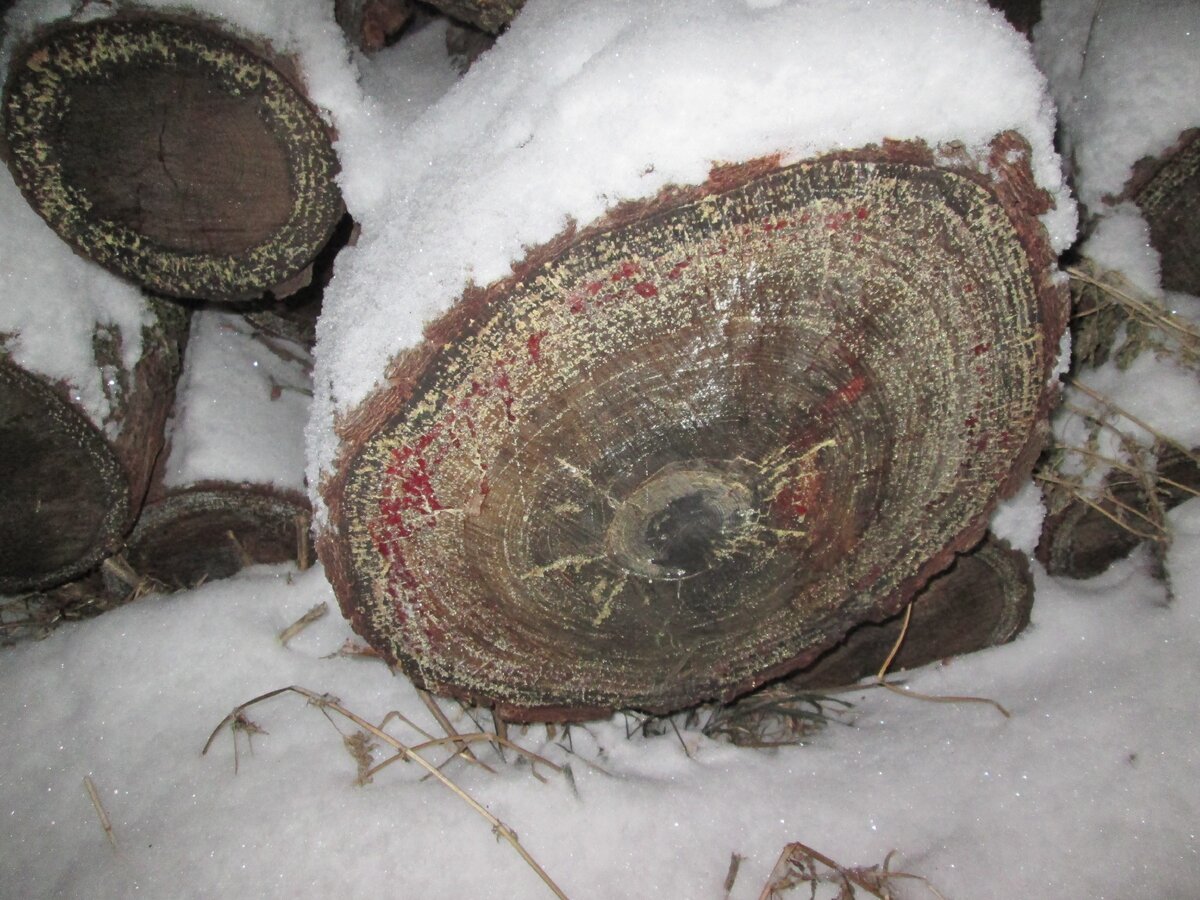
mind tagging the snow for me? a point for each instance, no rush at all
(241, 406)
(1124, 76)
(580, 106)
(52, 303)
(1121, 243)
(1018, 519)
(1088, 790)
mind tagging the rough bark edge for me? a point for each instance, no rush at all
(271, 265)
(1005, 174)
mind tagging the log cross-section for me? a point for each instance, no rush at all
(171, 154)
(685, 451)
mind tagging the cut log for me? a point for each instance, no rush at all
(684, 451)
(982, 600)
(210, 531)
(1082, 539)
(372, 24)
(230, 491)
(172, 154)
(1167, 191)
(71, 487)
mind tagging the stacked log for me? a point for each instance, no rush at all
(983, 600)
(230, 492)
(172, 153)
(72, 485)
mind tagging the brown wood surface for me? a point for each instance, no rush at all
(982, 600)
(1080, 541)
(172, 154)
(489, 15)
(212, 530)
(684, 451)
(70, 490)
(1167, 191)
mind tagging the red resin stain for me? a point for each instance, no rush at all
(594, 287)
(534, 346)
(628, 269)
(971, 421)
(778, 225)
(980, 349)
(795, 499)
(645, 289)
(862, 213)
(677, 269)
(836, 221)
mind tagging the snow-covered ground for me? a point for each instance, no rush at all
(1089, 790)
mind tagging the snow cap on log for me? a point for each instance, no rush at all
(231, 489)
(171, 151)
(688, 440)
(1124, 75)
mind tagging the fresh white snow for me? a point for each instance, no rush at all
(1124, 76)
(240, 407)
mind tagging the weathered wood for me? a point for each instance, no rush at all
(684, 451)
(1167, 191)
(70, 488)
(982, 600)
(172, 154)
(210, 531)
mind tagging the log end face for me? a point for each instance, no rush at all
(66, 498)
(684, 456)
(171, 154)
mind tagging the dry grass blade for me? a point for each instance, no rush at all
(105, 821)
(328, 704)
(800, 864)
(303, 526)
(361, 746)
(316, 613)
(881, 677)
(735, 863)
(444, 721)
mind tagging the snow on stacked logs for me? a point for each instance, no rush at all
(172, 153)
(1124, 76)
(231, 491)
(87, 373)
(693, 438)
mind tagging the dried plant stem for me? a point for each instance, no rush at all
(324, 702)
(871, 879)
(1127, 468)
(317, 612)
(444, 721)
(1083, 498)
(105, 821)
(1159, 317)
(1141, 423)
(881, 677)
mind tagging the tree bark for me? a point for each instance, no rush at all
(71, 488)
(172, 154)
(682, 452)
(489, 15)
